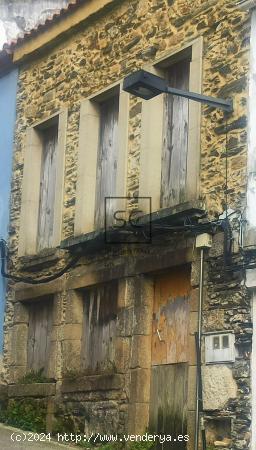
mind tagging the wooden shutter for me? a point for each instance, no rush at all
(175, 138)
(169, 372)
(107, 158)
(99, 328)
(47, 188)
(171, 317)
(39, 334)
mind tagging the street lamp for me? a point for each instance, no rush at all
(146, 85)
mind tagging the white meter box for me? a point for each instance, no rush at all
(219, 347)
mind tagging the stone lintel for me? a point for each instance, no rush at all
(81, 277)
(31, 390)
(88, 383)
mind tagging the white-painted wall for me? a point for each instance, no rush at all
(17, 16)
(251, 188)
(251, 207)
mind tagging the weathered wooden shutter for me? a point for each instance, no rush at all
(47, 188)
(107, 159)
(39, 335)
(175, 139)
(99, 328)
(169, 373)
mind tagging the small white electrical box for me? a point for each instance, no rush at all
(219, 347)
(204, 240)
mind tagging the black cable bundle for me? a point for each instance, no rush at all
(228, 239)
(4, 256)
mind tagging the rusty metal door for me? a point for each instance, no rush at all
(169, 376)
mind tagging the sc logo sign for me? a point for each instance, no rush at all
(127, 229)
(133, 219)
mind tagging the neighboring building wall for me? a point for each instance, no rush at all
(20, 16)
(134, 34)
(251, 210)
(8, 87)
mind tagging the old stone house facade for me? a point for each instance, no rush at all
(115, 333)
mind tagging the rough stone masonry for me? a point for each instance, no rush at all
(103, 50)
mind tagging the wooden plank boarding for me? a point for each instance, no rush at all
(168, 403)
(99, 328)
(169, 372)
(171, 317)
(107, 159)
(47, 187)
(175, 139)
(39, 335)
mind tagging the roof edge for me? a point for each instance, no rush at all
(54, 29)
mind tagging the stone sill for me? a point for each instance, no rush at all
(31, 390)
(92, 383)
(174, 216)
(44, 259)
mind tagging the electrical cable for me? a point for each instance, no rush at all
(226, 168)
(3, 253)
(227, 227)
(209, 226)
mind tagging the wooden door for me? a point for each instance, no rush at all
(175, 143)
(107, 160)
(39, 335)
(169, 376)
(99, 329)
(47, 187)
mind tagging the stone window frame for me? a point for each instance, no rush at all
(19, 337)
(88, 154)
(31, 184)
(152, 129)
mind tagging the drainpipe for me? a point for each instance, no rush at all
(203, 241)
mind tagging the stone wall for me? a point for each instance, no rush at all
(101, 53)
(117, 401)
(67, 75)
(228, 307)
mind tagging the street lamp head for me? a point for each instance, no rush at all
(144, 84)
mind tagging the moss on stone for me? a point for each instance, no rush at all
(27, 414)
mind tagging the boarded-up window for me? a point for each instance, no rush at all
(175, 138)
(171, 317)
(99, 328)
(39, 334)
(169, 373)
(47, 187)
(107, 158)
